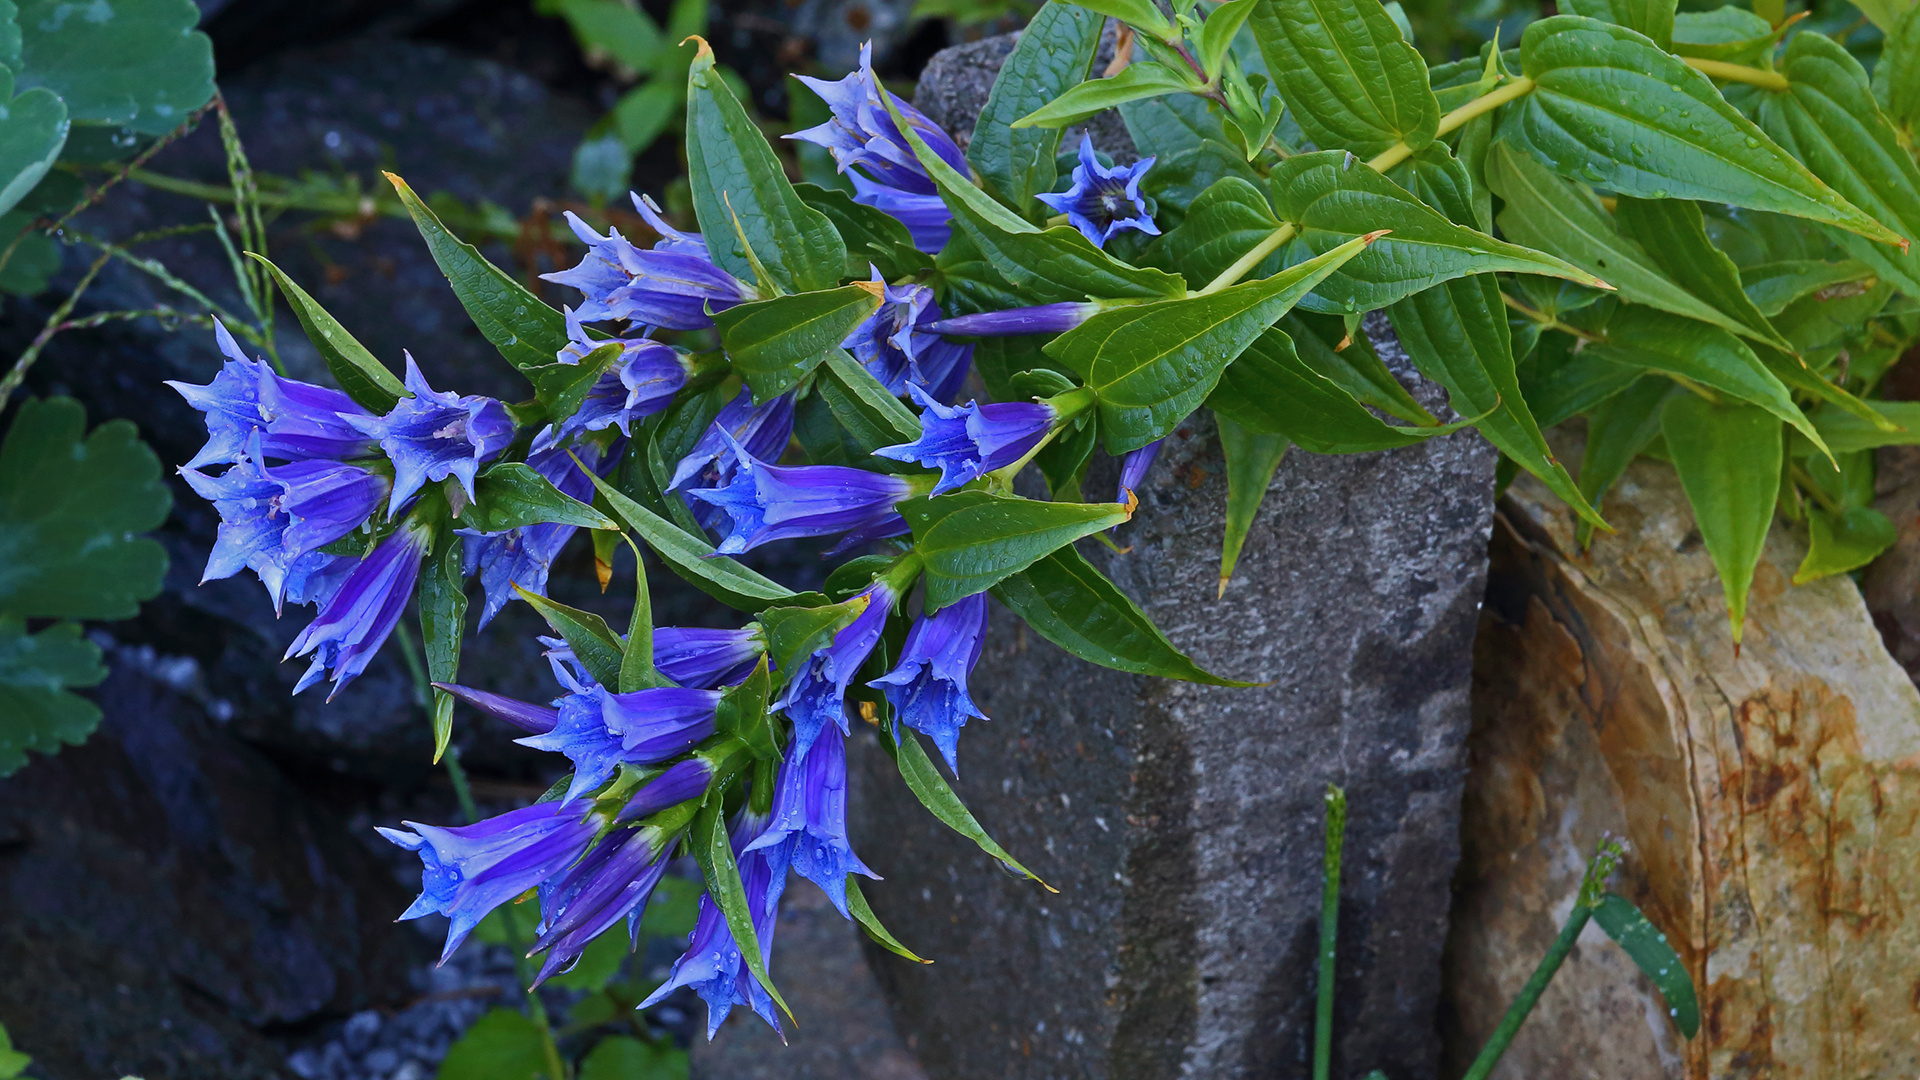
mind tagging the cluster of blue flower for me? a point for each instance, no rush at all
(307, 471)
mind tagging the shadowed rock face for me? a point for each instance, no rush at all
(1182, 824)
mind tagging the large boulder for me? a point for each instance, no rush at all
(1766, 795)
(1182, 824)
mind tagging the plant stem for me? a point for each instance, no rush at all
(1245, 263)
(1529, 994)
(1329, 932)
(1485, 103)
(1546, 321)
(18, 374)
(1741, 73)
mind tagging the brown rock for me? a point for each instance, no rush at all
(1769, 798)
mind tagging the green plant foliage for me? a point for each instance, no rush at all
(503, 1044)
(12, 1062)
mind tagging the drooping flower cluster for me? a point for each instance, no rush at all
(332, 503)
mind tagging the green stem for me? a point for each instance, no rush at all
(18, 374)
(1244, 264)
(1529, 994)
(1740, 73)
(1329, 932)
(1486, 103)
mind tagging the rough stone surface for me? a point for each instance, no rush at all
(1767, 797)
(844, 1030)
(1182, 824)
(954, 87)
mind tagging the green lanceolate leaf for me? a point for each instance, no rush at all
(972, 540)
(1730, 35)
(1134, 82)
(594, 643)
(1046, 265)
(1541, 210)
(743, 712)
(794, 633)
(1842, 541)
(1151, 365)
(1190, 147)
(873, 237)
(1653, 955)
(1611, 108)
(1068, 602)
(1828, 118)
(1329, 197)
(743, 199)
(511, 495)
(1225, 222)
(527, 332)
(138, 65)
(868, 416)
(1272, 391)
(563, 387)
(1252, 459)
(1706, 355)
(1349, 77)
(504, 1044)
(32, 131)
(1617, 431)
(71, 503)
(1795, 373)
(863, 914)
(1654, 18)
(1218, 32)
(443, 620)
(1845, 432)
(1774, 286)
(713, 851)
(1728, 457)
(1582, 383)
(1896, 77)
(1053, 54)
(1673, 233)
(637, 670)
(361, 374)
(934, 794)
(1142, 14)
(692, 557)
(35, 672)
(1456, 333)
(773, 344)
(1351, 363)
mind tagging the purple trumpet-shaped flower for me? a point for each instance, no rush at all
(472, 869)
(816, 695)
(612, 882)
(771, 502)
(273, 515)
(700, 657)
(598, 730)
(433, 435)
(524, 556)
(682, 780)
(763, 429)
(355, 620)
(639, 383)
(295, 420)
(1133, 470)
(895, 345)
(315, 577)
(1043, 319)
(929, 687)
(714, 964)
(968, 441)
(862, 136)
(672, 284)
(528, 717)
(1104, 201)
(810, 818)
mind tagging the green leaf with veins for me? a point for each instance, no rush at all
(1673, 233)
(35, 672)
(1611, 108)
(139, 65)
(33, 128)
(1618, 429)
(504, 1044)
(1730, 35)
(1252, 458)
(1843, 541)
(361, 374)
(1270, 390)
(874, 238)
(773, 344)
(1654, 18)
(1774, 286)
(1350, 78)
(1143, 80)
(511, 495)
(1728, 457)
(972, 540)
(691, 557)
(1054, 53)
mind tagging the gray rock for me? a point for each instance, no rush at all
(1183, 824)
(954, 87)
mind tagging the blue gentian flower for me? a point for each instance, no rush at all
(295, 420)
(273, 515)
(763, 429)
(713, 963)
(672, 284)
(1133, 470)
(355, 620)
(895, 345)
(313, 578)
(1041, 319)
(968, 441)
(432, 435)
(771, 502)
(862, 136)
(472, 869)
(928, 689)
(816, 695)
(524, 556)
(612, 882)
(1104, 201)
(638, 384)
(810, 818)
(704, 658)
(598, 730)
(528, 717)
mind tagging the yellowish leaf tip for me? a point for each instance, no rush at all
(1223, 589)
(702, 51)
(877, 288)
(1374, 235)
